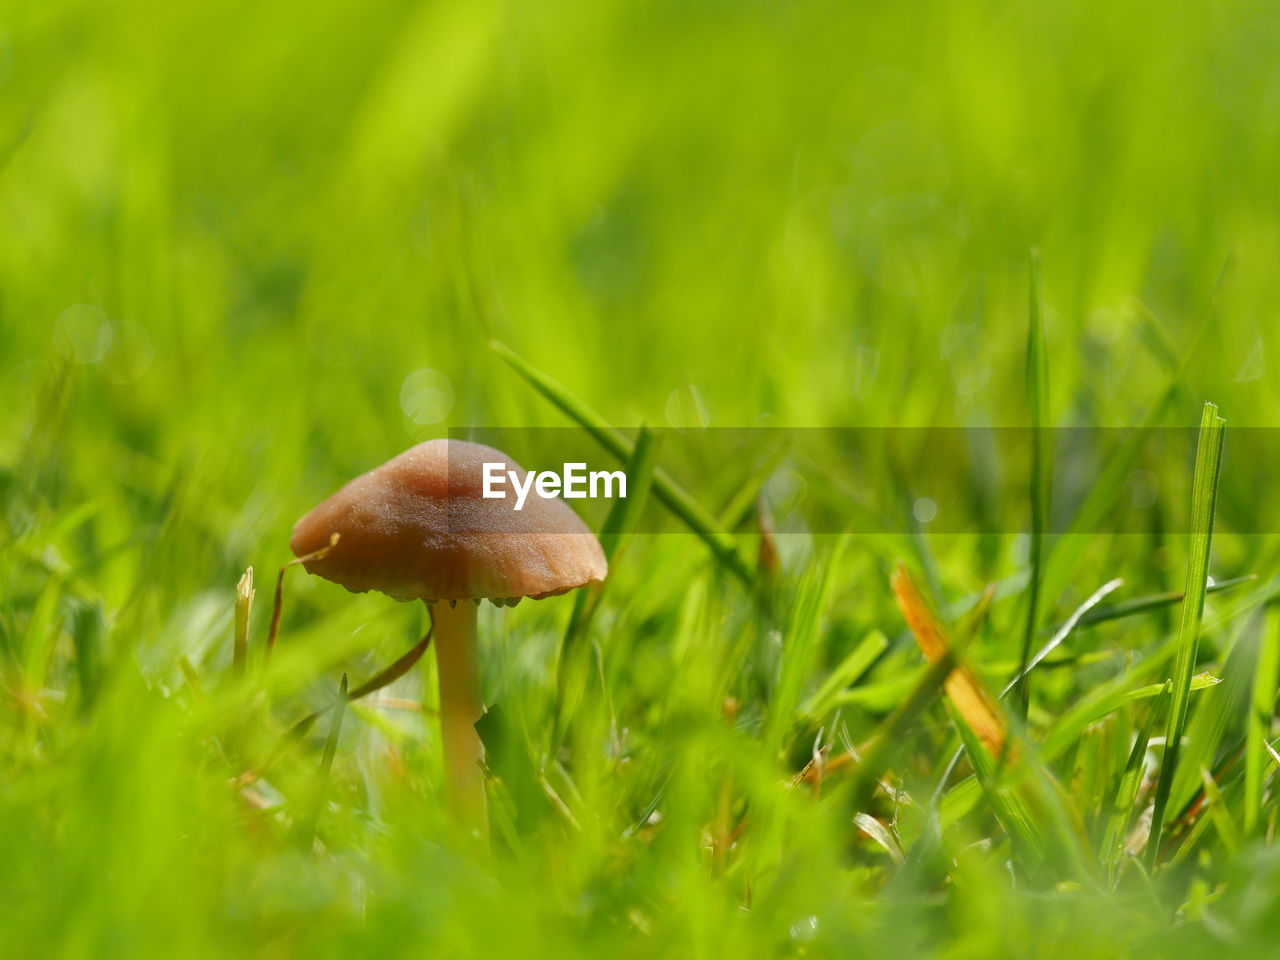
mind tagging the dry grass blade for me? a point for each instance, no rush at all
(277, 604)
(244, 608)
(878, 832)
(962, 686)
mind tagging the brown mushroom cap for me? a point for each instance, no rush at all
(419, 527)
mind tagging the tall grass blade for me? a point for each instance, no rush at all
(1204, 502)
(1041, 472)
(674, 497)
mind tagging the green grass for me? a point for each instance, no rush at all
(1041, 470)
(248, 251)
(1204, 505)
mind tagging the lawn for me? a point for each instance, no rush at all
(867, 300)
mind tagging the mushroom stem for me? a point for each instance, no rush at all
(460, 708)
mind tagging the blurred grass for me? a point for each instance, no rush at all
(249, 250)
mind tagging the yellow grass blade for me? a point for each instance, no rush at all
(966, 691)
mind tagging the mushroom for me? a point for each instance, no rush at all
(420, 528)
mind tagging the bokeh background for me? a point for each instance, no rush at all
(248, 250)
(264, 244)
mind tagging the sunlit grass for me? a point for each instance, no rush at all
(249, 251)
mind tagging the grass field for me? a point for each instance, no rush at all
(250, 250)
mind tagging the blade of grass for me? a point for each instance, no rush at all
(1126, 794)
(878, 832)
(1069, 548)
(394, 672)
(971, 623)
(40, 633)
(88, 630)
(618, 525)
(1092, 709)
(671, 494)
(1190, 840)
(1063, 632)
(1223, 710)
(893, 731)
(1035, 811)
(1204, 502)
(1262, 706)
(1109, 695)
(277, 603)
(799, 648)
(625, 513)
(743, 504)
(1009, 809)
(1155, 601)
(300, 729)
(963, 687)
(959, 801)
(1056, 640)
(1041, 474)
(244, 608)
(1220, 813)
(191, 677)
(307, 828)
(845, 674)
